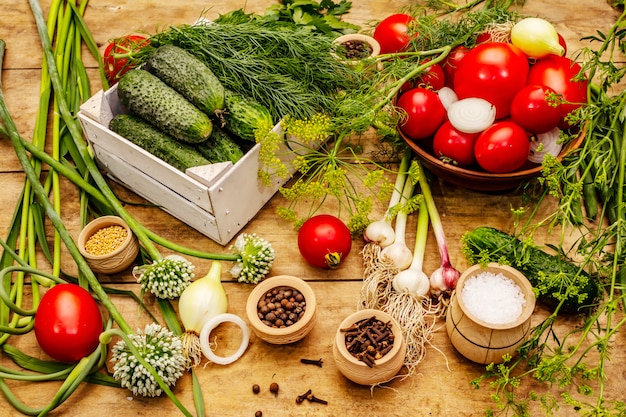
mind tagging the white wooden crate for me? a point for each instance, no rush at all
(218, 200)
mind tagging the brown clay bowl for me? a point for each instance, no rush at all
(283, 335)
(475, 178)
(116, 260)
(384, 368)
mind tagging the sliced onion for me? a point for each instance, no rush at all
(472, 114)
(546, 143)
(447, 96)
(212, 324)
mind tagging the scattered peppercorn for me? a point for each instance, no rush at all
(256, 388)
(106, 240)
(274, 388)
(281, 307)
(258, 414)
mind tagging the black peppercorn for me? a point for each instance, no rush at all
(256, 388)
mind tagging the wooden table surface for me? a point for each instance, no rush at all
(441, 385)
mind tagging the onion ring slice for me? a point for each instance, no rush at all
(212, 324)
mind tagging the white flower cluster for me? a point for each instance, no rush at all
(257, 257)
(166, 278)
(157, 346)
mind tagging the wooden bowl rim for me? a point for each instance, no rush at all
(100, 223)
(510, 272)
(281, 281)
(365, 313)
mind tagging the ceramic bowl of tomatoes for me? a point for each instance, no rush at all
(475, 178)
(483, 134)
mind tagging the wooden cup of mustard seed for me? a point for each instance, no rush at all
(108, 245)
(369, 348)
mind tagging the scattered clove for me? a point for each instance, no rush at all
(309, 397)
(317, 362)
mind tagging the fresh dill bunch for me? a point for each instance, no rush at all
(161, 349)
(290, 70)
(166, 278)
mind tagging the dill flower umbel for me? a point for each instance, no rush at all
(256, 258)
(166, 278)
(159, 348)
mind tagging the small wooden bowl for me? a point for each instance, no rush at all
(476, 179)
(116, 260)
(357, 371)
(284, 335)
(359, 37)
(481, 341)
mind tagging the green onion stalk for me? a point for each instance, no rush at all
(65, 236)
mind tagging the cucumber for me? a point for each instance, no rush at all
(189, 76)
(243, 116)
(220, 147)
(136, 130)
(551, 275)
(146, 96)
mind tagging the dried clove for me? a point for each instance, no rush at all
(300, 398)
(317, 362)
(314, 399)
(309, 397)
(368, 340)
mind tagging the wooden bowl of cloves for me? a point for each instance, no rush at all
(369, 348)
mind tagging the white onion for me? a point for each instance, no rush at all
(212, 324)
(546, 143)
(447, 96)
(472, 114)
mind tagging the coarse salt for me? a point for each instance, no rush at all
(493, 298)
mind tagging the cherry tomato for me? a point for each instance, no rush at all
(424, 110)
(324, 241)
(558, 72)
(115, 67)
(532, 110)
(432, 77)
(494, 71)
(392, 33)
(453, 146)
(68, 323)
(451, 63)
(502, 147)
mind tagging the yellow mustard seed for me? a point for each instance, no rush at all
(106, 240)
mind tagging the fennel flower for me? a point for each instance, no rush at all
(166, 278)
(256, 258)
(161, 349)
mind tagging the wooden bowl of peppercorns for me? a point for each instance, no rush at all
(369, 347)
(281, 309)
(108, 245)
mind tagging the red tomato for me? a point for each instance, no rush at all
(502, 147)
(494, 71)
(531, 110)
(424, 110)
(68, 323)
(453, 146)
(432, 77)
(558, 72)
(324, 240)
(115, 67)
(451, 63)
(392, 33)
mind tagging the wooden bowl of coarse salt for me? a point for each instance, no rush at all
(108, 245)
(490, 312)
